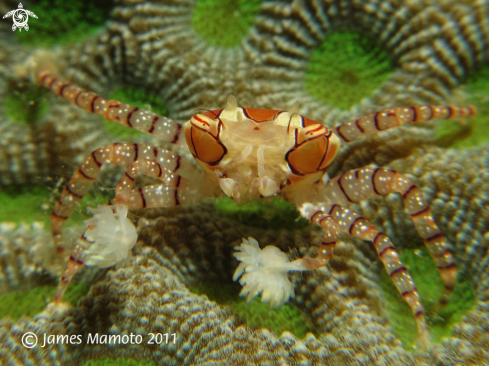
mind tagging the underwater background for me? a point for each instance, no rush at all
(340, 59)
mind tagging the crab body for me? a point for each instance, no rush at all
(261, 152)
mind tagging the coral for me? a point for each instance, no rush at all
(30, 267)
(434, 47)
(474, 131)
(31, 153)
(25, 204)
(29, 303)
(426, 41)
(151, 46)
(430, 288)
(40, 142)
(118, 362)
(345, 68)
(469, 340)
(231, 20)
(343, 301)
(26, 106)
(165, 56)
(258, 315)
(63, 23)
(205, 332)
(266, 214)
(21, 250)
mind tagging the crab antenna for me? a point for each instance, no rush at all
(294, 109)
(231, 104)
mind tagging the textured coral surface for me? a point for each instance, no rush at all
(160, 55)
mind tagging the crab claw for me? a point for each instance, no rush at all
(230, 187)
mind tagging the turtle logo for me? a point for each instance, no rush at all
(20, 17)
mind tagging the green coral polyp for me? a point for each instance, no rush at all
(26, 105)
(440, 319)
(256, 314)
(272, 214)
(25, 204)
(31, 302)
(345, 68)
(474, 131)
(224, 23)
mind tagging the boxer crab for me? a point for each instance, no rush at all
(248, 153)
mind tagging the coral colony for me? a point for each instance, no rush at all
(272, 54)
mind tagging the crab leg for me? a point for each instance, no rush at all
(335, 218)
(360, 184)
(74, 264)
(85, 176)
(124, 114)
(172, 193)
(393, 117)
(175, 191)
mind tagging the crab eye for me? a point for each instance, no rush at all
(203, 139)
(315, 148)
(202, 122)
(314, 131)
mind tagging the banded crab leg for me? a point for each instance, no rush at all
(88, 251)
(113, 110)
(393, 117)
(335, 218)
(119, 154)
(175, 190)
(360, 184)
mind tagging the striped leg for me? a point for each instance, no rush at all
(175, 190)
(74, 264)
(124, 114)
(119, 154)
(360, 184)
(328, 241)
(107, 240)
(393, 117)
(352, 223)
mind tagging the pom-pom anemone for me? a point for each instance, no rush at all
(264, 271)
(112, 233)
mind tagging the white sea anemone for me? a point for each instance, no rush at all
(265, 272)
(113, 236)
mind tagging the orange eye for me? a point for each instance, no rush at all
(202, 135)
(201, 121)
(315, 149)
(314, 131)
